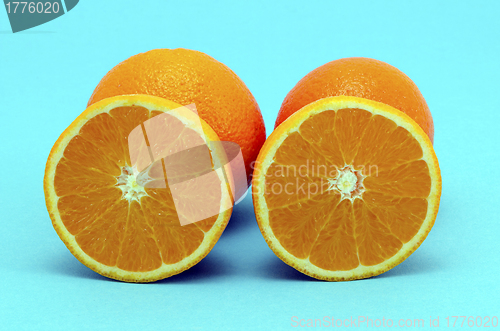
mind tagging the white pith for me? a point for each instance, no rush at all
(348, 182)
(127, 183)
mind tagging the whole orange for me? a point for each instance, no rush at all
(185, 76)
(364, 78)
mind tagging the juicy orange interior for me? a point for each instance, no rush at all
(347, 188)
(137, 234)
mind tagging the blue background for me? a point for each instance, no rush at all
(449, 48)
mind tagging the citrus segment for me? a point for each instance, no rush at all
(337, 237)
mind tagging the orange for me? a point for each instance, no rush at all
(346, 188)
(364, 78)
(113, 224)
(185, 77)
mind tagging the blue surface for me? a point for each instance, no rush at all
(449, 48)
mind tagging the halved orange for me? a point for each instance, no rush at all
(111, 223)
(346, 188)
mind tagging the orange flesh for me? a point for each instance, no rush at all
(312, 218)
(133, 236)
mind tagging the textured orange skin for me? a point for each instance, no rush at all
(184, 77)
(364, 78)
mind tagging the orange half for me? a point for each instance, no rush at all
(111, 223)
(346, 188)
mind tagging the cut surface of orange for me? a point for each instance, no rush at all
(110, 222)
(346, 188)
